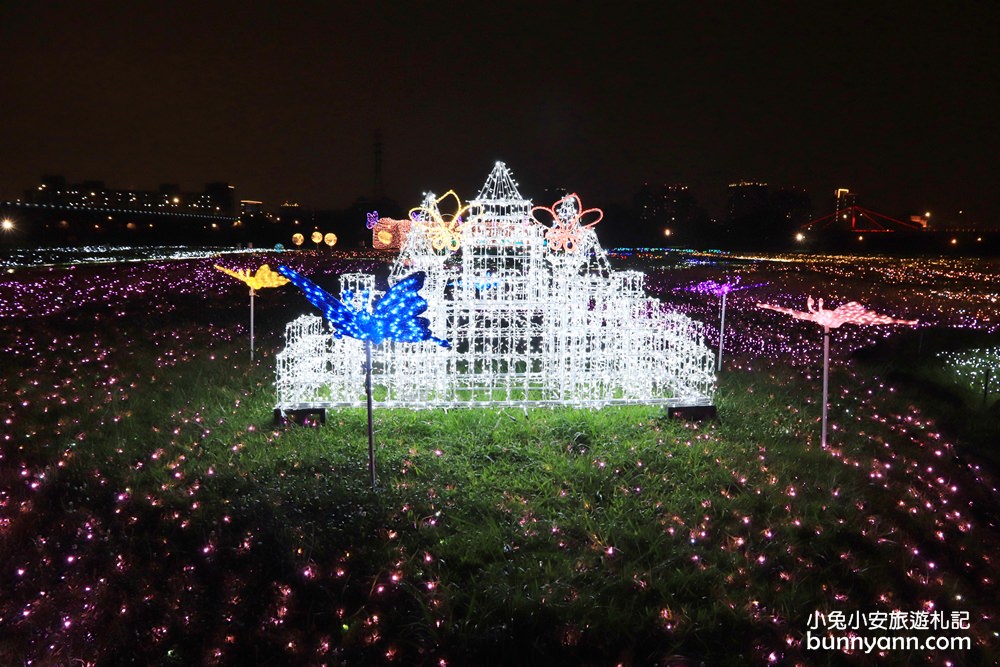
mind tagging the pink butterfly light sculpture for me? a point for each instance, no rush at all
(849, 313)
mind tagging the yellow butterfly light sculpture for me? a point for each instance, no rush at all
(443, 229)
(264, 277)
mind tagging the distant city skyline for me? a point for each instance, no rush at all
(757, 216)
(284, 101)
(821, 205)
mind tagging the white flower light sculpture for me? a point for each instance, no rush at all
(849, 313)
(530, 324)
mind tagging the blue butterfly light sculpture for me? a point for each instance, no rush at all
(396, 316)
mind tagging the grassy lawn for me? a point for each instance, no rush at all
(954, 375)
(151, 513)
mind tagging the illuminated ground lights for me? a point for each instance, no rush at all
(149, 565)
(977, 369)
(533, 310)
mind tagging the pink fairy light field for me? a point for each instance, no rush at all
(151, 512)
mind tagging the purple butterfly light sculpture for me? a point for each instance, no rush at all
(721, 290)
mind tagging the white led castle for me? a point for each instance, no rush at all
(535, 315)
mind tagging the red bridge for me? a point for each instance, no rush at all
(859, 220)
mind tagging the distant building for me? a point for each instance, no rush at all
(844, 201)
(757, 217)
(793, 206)
(669, 212)
(251, 207)
(747, 199)
(219, 197)
(216, 199)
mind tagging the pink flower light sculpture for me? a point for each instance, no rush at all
(849, 313)
(567, 222)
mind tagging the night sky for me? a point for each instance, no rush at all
(897, 101)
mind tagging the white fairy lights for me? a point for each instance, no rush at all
(978, 369)
(529, 323)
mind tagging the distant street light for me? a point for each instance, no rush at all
(800, 237)
(7, 224)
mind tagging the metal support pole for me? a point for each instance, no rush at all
(371, 426)
(986, 386)
(826, 378)
(251, 323)
(722, 332)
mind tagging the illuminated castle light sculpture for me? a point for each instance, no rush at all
(535, 315)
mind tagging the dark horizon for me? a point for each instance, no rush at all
(284, 101)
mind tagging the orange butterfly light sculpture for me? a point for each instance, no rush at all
(444, 230)
(264, 277)
(567, 222)
(849, 313)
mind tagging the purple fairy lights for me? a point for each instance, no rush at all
(73, 580)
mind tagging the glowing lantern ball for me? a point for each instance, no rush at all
(298, 239)
(330, 239)
(316, 237)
